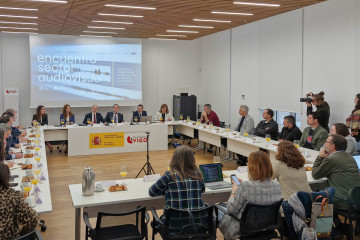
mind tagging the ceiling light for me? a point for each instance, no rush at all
(19, 32)
(94, 36)
(19, 23)
(233, 13)
(24, 9)
(212, 20)
(132, 7)
(258, 4)
(119, 15)
(170, 35)
(113, 28)
(50, 1)
(20, 28)
(191, 26)
(162, 38)
(98, 21)
(181, 31)
(16, 16)
(85, 31)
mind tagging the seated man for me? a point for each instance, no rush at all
(246, 125)
(9, 155)
(267, 126)
(94, 116)
(140, 112)
(340, 169)
(114, 115)
(208, 116)
(290, 131)
(314, 136)
(15, 132)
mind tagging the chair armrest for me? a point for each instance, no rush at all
(156, 217)
(38, 234)
(86, 220)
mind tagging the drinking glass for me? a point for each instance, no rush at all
(211, 124)
(267, 138)
(188, 118)
(26, 186)
(37, 146)
(296, 143)
(62, 121)
(198, 122)
(136, 119)
(246, 134)
(308, 234)
(88, 121)
(123, 171)
(181, 117)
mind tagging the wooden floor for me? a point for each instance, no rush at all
(64, 170)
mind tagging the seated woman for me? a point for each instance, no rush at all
(184, 181)
(260, 189)
(17, 217)
(289, 170)
(163, 114)
(42, 118)
(341, 129)
(67, 116)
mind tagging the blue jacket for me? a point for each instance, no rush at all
(71, 118)
(136, 114)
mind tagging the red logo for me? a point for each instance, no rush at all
(96, 141)
(139, 139)
(11, 91)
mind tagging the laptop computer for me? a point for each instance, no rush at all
(213, 176)
(145, 118)
(357, 159)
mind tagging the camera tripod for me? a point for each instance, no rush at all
(147, 168)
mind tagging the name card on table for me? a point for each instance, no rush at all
(151, 178)
(272, 147)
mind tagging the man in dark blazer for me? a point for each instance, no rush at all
(94, 116)
(140, 112)
(114, 115)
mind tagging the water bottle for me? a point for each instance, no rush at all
(88, 182)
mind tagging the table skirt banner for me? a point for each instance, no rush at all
(106, 140)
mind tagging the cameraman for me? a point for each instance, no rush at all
(322, 108)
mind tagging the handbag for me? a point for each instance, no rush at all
(322, 217)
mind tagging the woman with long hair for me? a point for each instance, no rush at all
(163, 114)
(259, 189)
(353, 121)
(40, 116)
(289, 170)
(17, 217)
(322, 107)
(342, 129)
(183, 181)
(67, 116)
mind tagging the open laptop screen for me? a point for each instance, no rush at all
(357, 159)
(212, 172)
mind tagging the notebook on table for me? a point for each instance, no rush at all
(213, 176)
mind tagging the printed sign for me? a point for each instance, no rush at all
(105, 140)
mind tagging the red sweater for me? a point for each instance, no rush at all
(213, 117)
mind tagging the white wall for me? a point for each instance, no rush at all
(167, 66)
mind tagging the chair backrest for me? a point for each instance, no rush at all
(222, 124)
(258, 218)
(137, 217)
(35, 235)
(190, 224)
(354, 200)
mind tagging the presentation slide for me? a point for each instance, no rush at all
(81, 73)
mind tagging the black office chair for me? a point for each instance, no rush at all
(108, 227)
(35, 235)
(353, 211)
(259, 221)
(185, 224)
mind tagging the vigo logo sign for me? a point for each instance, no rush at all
(137, 139)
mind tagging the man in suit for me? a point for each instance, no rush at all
(114, 115)
(94, 116)
(140, 112)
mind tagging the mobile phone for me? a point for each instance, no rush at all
(235, 179)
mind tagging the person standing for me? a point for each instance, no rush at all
(353, 121)
(322, 108)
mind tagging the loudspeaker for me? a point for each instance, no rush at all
(185, 105)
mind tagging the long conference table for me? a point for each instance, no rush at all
(137, 193)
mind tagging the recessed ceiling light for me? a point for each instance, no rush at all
(258, 4)
(132, 7)
(212, 20)
(181, 31)
(170, 35)
(192, 26)
(119, 15)
(24, 9)
(98, 21)
(20, 28)
(50, 1)
(19, 23)
(162, 38)
(233, 13)
(94, 36)
(85, 31)
(16, 16)
(113, 28)
(19, 32)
